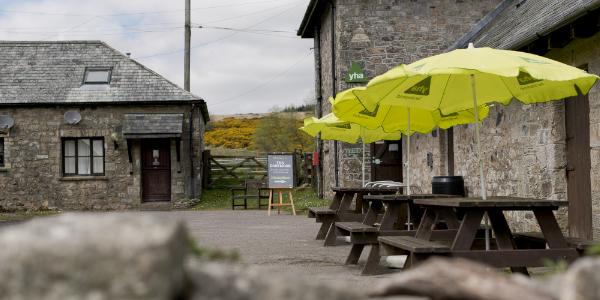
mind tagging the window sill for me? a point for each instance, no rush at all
(4, 169)
(83, 178)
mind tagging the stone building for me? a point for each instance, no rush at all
(83, 126)
(544, 150)
(376, 36)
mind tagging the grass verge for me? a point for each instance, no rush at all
(220, 199)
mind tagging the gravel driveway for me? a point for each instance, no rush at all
(280, 243)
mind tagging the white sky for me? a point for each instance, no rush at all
(234, 71)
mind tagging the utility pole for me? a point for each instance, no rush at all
(188, 36)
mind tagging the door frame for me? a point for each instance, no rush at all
(578, 168)
(148, 143)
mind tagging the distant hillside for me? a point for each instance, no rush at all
(240, 131)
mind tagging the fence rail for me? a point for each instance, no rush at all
(222, 171)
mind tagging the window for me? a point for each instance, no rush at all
(1, 152)
(97, 76)
(83, 156)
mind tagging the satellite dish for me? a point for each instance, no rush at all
(6, 122)
(72, 117)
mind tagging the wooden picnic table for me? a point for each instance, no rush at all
(505, 253)
(392, 223)
(340, 208)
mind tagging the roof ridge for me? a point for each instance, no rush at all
(150, 70)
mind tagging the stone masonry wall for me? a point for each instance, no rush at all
(397, 31)
(32, 177)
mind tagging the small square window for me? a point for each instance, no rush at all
(83, 156)
(97, 76)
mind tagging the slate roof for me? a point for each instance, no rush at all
(522, 21)
(39, 72)
(155, 125)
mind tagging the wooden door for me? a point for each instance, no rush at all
(386, 162)
(156, 170)
(577, 111)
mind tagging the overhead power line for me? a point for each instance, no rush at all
(264, 83)
(10, 11)
(221, 38)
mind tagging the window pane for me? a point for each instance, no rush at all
(69, 148)
(98, 147)
(83, 147)
(83, 166)
(70, 165)
(97, 76)
(98, 165)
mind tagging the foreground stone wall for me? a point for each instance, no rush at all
(32, 177)
(380, 35)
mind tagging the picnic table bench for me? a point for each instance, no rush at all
(392, 223)
(341, 209)
(505, 254)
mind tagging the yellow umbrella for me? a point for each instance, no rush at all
(407, 120)
(332, 128)
(468, 78)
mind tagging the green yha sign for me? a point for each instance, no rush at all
(356, 74)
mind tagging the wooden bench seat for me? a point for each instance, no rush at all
(538, 239)
(355, 227)
(313, 212)
(413, 245)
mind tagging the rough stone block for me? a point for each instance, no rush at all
(93, 256)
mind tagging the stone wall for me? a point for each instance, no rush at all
(380, 35)
(32, 177)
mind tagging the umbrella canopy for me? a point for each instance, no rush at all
(444, 82)
(392, 118)
(332, 128)
(467, 78)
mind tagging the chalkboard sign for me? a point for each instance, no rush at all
(281, 171)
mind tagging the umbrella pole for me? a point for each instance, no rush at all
(408, 169)
(479, 157)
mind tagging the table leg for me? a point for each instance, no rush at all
(326, 222)
(337, 199)
(358, 208)
(450, 217)
(331, 238)
(354, 254)
(346, 201)
(426, 225)
(375, 208)
(467, 230)
(550, 228)
(390, 216)
(504, 238)
(372, 263)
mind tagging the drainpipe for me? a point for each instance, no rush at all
(334, 90)
(318, 107)
(191, 145)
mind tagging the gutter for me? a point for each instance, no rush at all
(336, 165)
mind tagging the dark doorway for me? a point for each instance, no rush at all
(156, 170)
(577, 119)
(386, 163)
